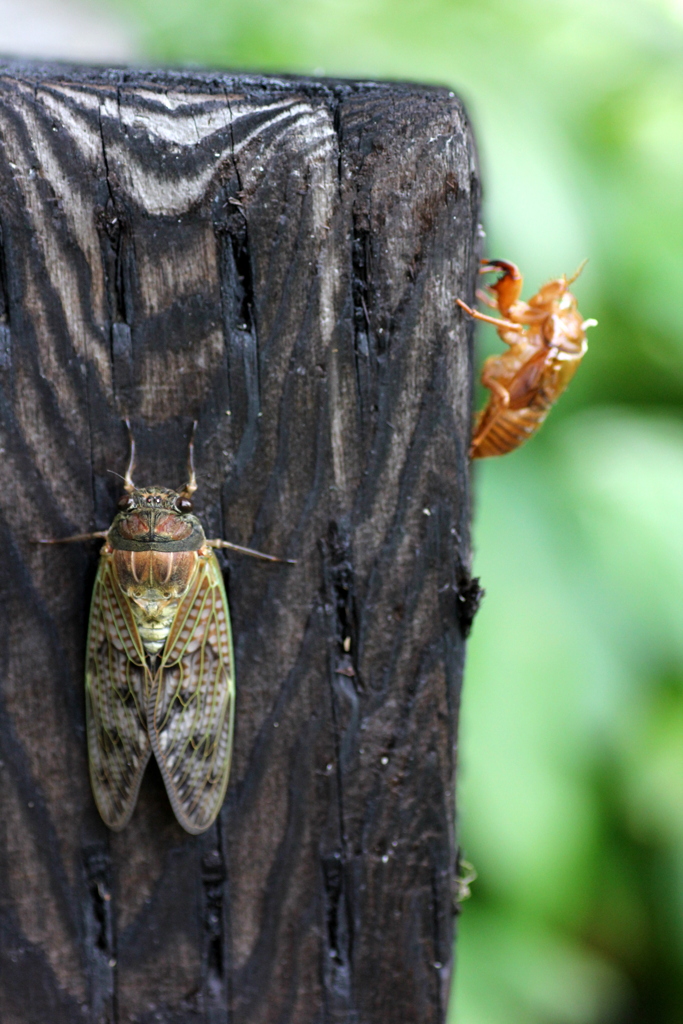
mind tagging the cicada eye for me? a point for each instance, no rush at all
(184, 504)
(126, 501)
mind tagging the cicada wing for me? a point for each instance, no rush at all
(529, 378)
(117, 686)
(192, 705)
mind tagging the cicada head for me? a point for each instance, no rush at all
(156, 518)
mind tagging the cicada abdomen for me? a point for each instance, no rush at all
(159, 670)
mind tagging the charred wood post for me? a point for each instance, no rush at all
(277, 259)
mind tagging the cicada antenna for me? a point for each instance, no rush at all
(582, 264)
(128, 484)
(191, 485)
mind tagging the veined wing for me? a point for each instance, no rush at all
(117, 685)
(192, 704)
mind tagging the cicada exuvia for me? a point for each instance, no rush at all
(160, 671)
(547, 341)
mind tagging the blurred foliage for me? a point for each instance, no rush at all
(572, 738)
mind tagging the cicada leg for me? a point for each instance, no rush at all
(508, 287)
(249, 551)
(499, 394)
(499, 401)
(98, 535)
(486, 298)
(496, 321)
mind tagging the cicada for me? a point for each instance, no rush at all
(160, 668)
(547, 341)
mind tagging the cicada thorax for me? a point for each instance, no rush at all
(154, 582)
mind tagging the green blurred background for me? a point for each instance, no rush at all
(571, 778)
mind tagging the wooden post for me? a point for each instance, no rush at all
(278, 259)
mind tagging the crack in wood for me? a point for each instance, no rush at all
(213, 875)
(340, 600)
(100, 934)
(241, 343)
(5, 327)
(365, 345)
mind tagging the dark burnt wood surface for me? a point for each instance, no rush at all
(278, 259)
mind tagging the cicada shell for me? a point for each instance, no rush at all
(547, 341)
(160, 674)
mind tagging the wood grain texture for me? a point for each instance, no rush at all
(278, 259)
